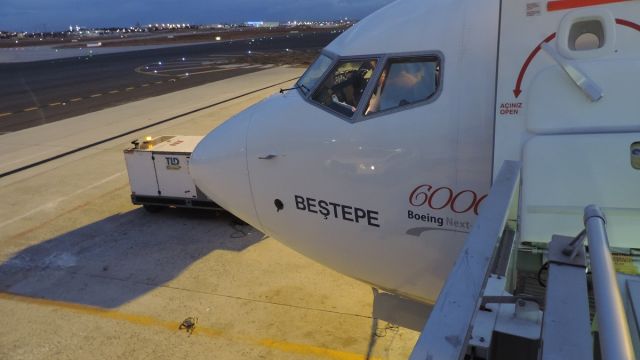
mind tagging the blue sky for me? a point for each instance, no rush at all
(52, 15)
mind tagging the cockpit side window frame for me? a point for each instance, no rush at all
(382, 62)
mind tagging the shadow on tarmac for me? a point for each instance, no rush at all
(115, 260)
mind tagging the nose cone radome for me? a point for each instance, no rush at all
(219, 168)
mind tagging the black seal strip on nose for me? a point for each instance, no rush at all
(129, 132)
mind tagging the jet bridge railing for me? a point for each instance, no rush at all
(448, 328)
(615, 339)
(566, 329)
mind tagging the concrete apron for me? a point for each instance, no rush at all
(85, 274)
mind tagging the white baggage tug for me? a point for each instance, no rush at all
(158, 169)
(446, 152)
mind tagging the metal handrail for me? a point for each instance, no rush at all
(449, 326)
(615, 339)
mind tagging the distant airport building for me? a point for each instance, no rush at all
(214, 26)
(268, 24)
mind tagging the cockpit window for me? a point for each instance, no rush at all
(314, 73)
(342, 89)
(404, 82)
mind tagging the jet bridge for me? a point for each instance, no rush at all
(481, 315)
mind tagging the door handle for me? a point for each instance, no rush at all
(267, 157)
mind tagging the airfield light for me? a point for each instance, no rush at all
(218, 38)
(183, 59)
(148, 138)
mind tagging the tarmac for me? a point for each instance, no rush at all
(86, 274)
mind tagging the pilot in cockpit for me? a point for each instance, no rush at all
(343, 90)
(402, 82)
(349, 91)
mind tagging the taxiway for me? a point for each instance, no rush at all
(35, 93)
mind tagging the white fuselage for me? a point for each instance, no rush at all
(386, 198)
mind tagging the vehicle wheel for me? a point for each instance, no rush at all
(153, 208)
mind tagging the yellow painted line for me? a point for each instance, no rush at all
(55, 104)
(144, 85)
(114, 91)
(75, 99)
(129, 88)
(5, 114)
(95, 95)
(310, 350)
(90, 310)
(30, 109)
(149, 321)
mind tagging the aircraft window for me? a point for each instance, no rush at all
(313, 73)
(586, 35)
(587, 41)
(343, 88)
(404, 82)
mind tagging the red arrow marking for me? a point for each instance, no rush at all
(628, 23)
(517, 91)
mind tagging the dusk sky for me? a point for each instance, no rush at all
(50, 15)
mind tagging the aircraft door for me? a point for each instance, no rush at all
(567, 108)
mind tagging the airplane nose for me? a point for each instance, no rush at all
(218, 167)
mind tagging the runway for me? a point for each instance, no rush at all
(41, 92)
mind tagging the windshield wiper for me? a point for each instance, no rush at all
(298, 86)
